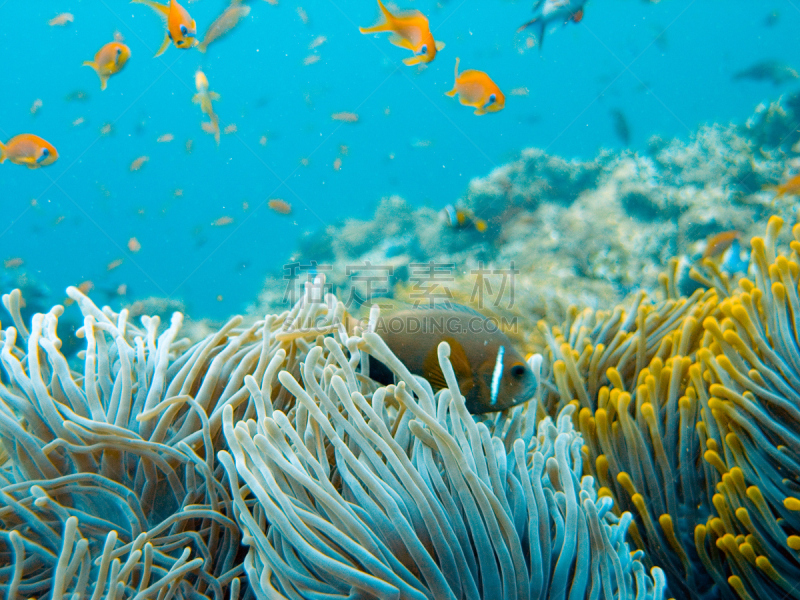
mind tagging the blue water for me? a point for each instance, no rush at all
(666, 66)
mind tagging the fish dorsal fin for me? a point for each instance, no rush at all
(459, 361)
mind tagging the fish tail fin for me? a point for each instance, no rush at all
(2, 153)
(95, 66)
(161, 9)
(386, 25)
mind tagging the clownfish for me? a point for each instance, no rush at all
(553, 11)
(109, 60)
(409, 30)
(458, 218)
(475, 88)
(28, 149)
(181, 28)
(492, 375)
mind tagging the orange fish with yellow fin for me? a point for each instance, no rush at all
(181, 28)
(109, 60)
(29, 150)
(409, 30)
(476, 88)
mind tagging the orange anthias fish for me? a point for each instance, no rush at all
(181, 28)
(475, 88)
(108, 61)
(791, 187)
(717, 244)
(203, 97)
(409, 30)
(28, 149)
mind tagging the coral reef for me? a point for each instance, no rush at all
(588, 233)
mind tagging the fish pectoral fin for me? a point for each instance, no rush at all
(401, 42)
(459, 360)
(452, 92)
(432, 371)
(480, 111)
(439, 46)
(164, 45)
(90, 63)
(412, 60)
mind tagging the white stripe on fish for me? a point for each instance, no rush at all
(497, 375)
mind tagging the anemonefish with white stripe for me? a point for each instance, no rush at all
(492, 375)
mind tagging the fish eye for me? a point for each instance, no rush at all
(492, 98)
(424, 49)
(184, 31)
(45, 151)
(517, 371)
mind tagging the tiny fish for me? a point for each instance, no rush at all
(337, 164)
(122, 289)
(245, 206)
(13, 263)
(108, 61)
(263, 140)
(211, 127)
(139, 163)
(620, 125)
(491, 374)
(305, 161)
(272, 2)
(280, 206)
(317, 41)
(134, 245)
(554, 11)
(77, 95)
(86, 286)
(343, 150)
(719, 243)
(773, 71)
(37, 104)
(107, 129)
(230, 128)
(222, 221)
(459, 218)
(61, 20)
(113, 264)
(79, 121)
(302, 14)
(189, 145)
(345, 117)
(223, 24)
(178, 193)
(410, 31)
(204, 98)
(520, 91)
(29, 150)
(163, 139)
(475, 88)
(310, 60)
(181, 28)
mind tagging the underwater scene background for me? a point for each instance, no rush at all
(596, 394)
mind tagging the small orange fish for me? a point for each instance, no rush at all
(108, 61)
(280, 206)
(791, 187)
(139, 163)
(337, 164)
(204, 97)
(61, 20)
(345, 117)
(222, 221)
(113, 264)
(29, 150)
(475, 88)
(719, 243)
(181, 28)
(13, 263)
(134, 245)
(410, 31)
